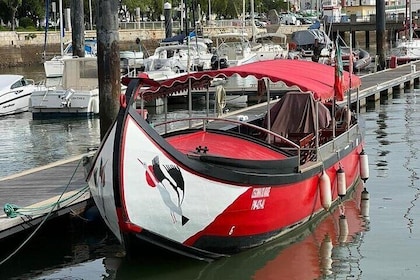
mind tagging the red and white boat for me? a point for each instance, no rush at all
(221, 185)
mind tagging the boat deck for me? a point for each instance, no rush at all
(40, 188)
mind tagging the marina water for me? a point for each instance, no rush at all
(381, 246)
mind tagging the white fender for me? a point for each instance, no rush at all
(220, 99)
(343, 229)
(364, 166)
(325, 190)
(341, 182)
(364, 204)
(325, 254)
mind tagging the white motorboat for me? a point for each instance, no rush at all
(268, 46)
(76, 96)
(15, 92)
(271, 46)
(407, 49)
(179, 57)
(131, 60)
(408, 44)
(233, 49)
(54, 67)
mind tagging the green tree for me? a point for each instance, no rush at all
(12, 7)
(33, 9)
(133, 4)
(4, 12)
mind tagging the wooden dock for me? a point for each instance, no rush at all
(30, 196)
(384, 83)
(27, 197)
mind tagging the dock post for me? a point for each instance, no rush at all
(167, 7)
(367, 39)
(109, 72)
(380, 33)
(78, 28)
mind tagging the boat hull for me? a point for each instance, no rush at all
(15, 99)
(52, 103)
(207, 187)
(216, 217)
(14, 103)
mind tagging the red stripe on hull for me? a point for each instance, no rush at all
(284, 206)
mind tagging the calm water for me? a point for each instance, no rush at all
(385, 246)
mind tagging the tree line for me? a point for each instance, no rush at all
(30, 13)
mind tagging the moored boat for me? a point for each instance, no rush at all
(361, 58)
(77, 95)
(55, 66)
(15, 92)
(210, 187)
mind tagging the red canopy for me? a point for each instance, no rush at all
(307, 75)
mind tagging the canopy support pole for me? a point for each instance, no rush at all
(267, 85)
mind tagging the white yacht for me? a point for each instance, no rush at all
(77, 95)
(233, 49)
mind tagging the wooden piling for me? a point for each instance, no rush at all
(109, 72)
(78, 28)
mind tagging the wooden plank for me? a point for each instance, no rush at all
(40, 188)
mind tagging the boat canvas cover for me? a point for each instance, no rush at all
(295, 112)
(307, 37)
(308, 76)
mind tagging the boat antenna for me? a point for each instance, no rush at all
(60, 7)
(47, 12)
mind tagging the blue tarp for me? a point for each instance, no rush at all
(315, 25)
(178, 38)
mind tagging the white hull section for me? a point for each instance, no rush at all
(65, 101)
(54, 68)
(154, 205)
(16, 100)
(407, 49)
(100, 183)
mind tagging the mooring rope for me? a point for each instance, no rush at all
(54, 205)
(12, 210)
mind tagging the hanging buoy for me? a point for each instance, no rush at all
(341, 182)
(325, 255)
(364, 204)
(325, 190)
(364, 166)
(343, 229)
(220, 99)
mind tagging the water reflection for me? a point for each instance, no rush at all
(411, 140)
(28, 143)
(314, 252)
(381, 163)
(327, 249)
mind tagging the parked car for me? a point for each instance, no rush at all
(289, 19)
(259, 23)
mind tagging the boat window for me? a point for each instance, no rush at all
(18, 84)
